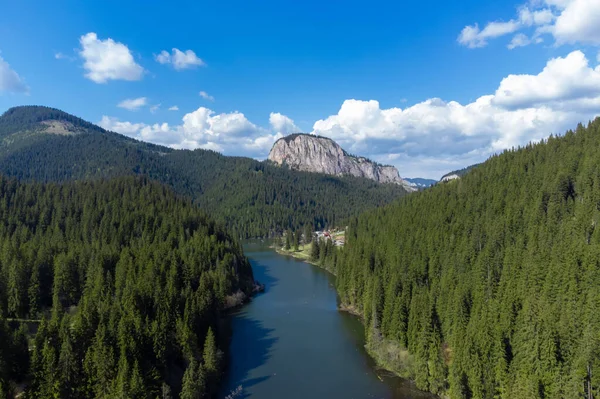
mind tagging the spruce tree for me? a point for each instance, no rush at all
(210, 355)
(315, 251)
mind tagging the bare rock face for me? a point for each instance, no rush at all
(310, 153)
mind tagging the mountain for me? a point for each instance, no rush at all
(457, 174)
(420, 183)
(250, 197)
(487, 287)
(310, 153)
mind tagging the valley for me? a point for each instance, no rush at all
(321, 200)
(108, 256)
(252, 198)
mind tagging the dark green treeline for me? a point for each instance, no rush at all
(489, 286)
(252, 198)
(123, 282)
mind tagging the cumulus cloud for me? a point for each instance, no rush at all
(206, 96)
(179, 59)
(174, 108)
(282, 124)
(113, 124)
(106, 60)
(424, 137)
(155, 108)
(133, 104)
(229, 133)
(10, 81)
(567, 21)
(564, 82)
(578, 22)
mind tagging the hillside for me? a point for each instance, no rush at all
(310, 153)
(457, 174)
(488, 287)
(118, 285)
(251, 197)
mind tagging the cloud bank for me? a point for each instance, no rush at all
(229, 133)
(426, 139)
(566, 21)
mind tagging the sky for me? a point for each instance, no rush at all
(428, 87)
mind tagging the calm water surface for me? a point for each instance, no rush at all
(291, 342)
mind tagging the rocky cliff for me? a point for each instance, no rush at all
(312, 153)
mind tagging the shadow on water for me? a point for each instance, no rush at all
(254, 349)
(262, 273)
(250, 353)
(249, 383)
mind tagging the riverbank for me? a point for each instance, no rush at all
(240, 298)
(303, 252)
(277, 342)
(387, 354)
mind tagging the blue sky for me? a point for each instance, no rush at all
(426, 86)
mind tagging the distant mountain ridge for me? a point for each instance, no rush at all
(317, 154)
(252, 198)
(420, 183)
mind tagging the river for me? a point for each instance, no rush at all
(292, 342)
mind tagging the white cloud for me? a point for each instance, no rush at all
(10, 80)
(63, 56)
(206, 96)
(578, 22)
(230, 133)
(106, 60)
(426, 139)
(179, 59)
(530, 17)
(519, 40)
(163, 57)
(133, 104)
(155, 108)
(282, 124)
(567, 21)
(427, 136)
(564, 82)
(473, 37)
(174, 108)
(114, 125)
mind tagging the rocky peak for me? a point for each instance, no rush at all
(310, 153)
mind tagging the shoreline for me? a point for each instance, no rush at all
(240, 298)
(373, 349)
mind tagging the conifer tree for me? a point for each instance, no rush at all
(210, 355)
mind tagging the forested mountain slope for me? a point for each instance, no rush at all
(457, 174)
(253, 198)
(492, 281)
(128, 281)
